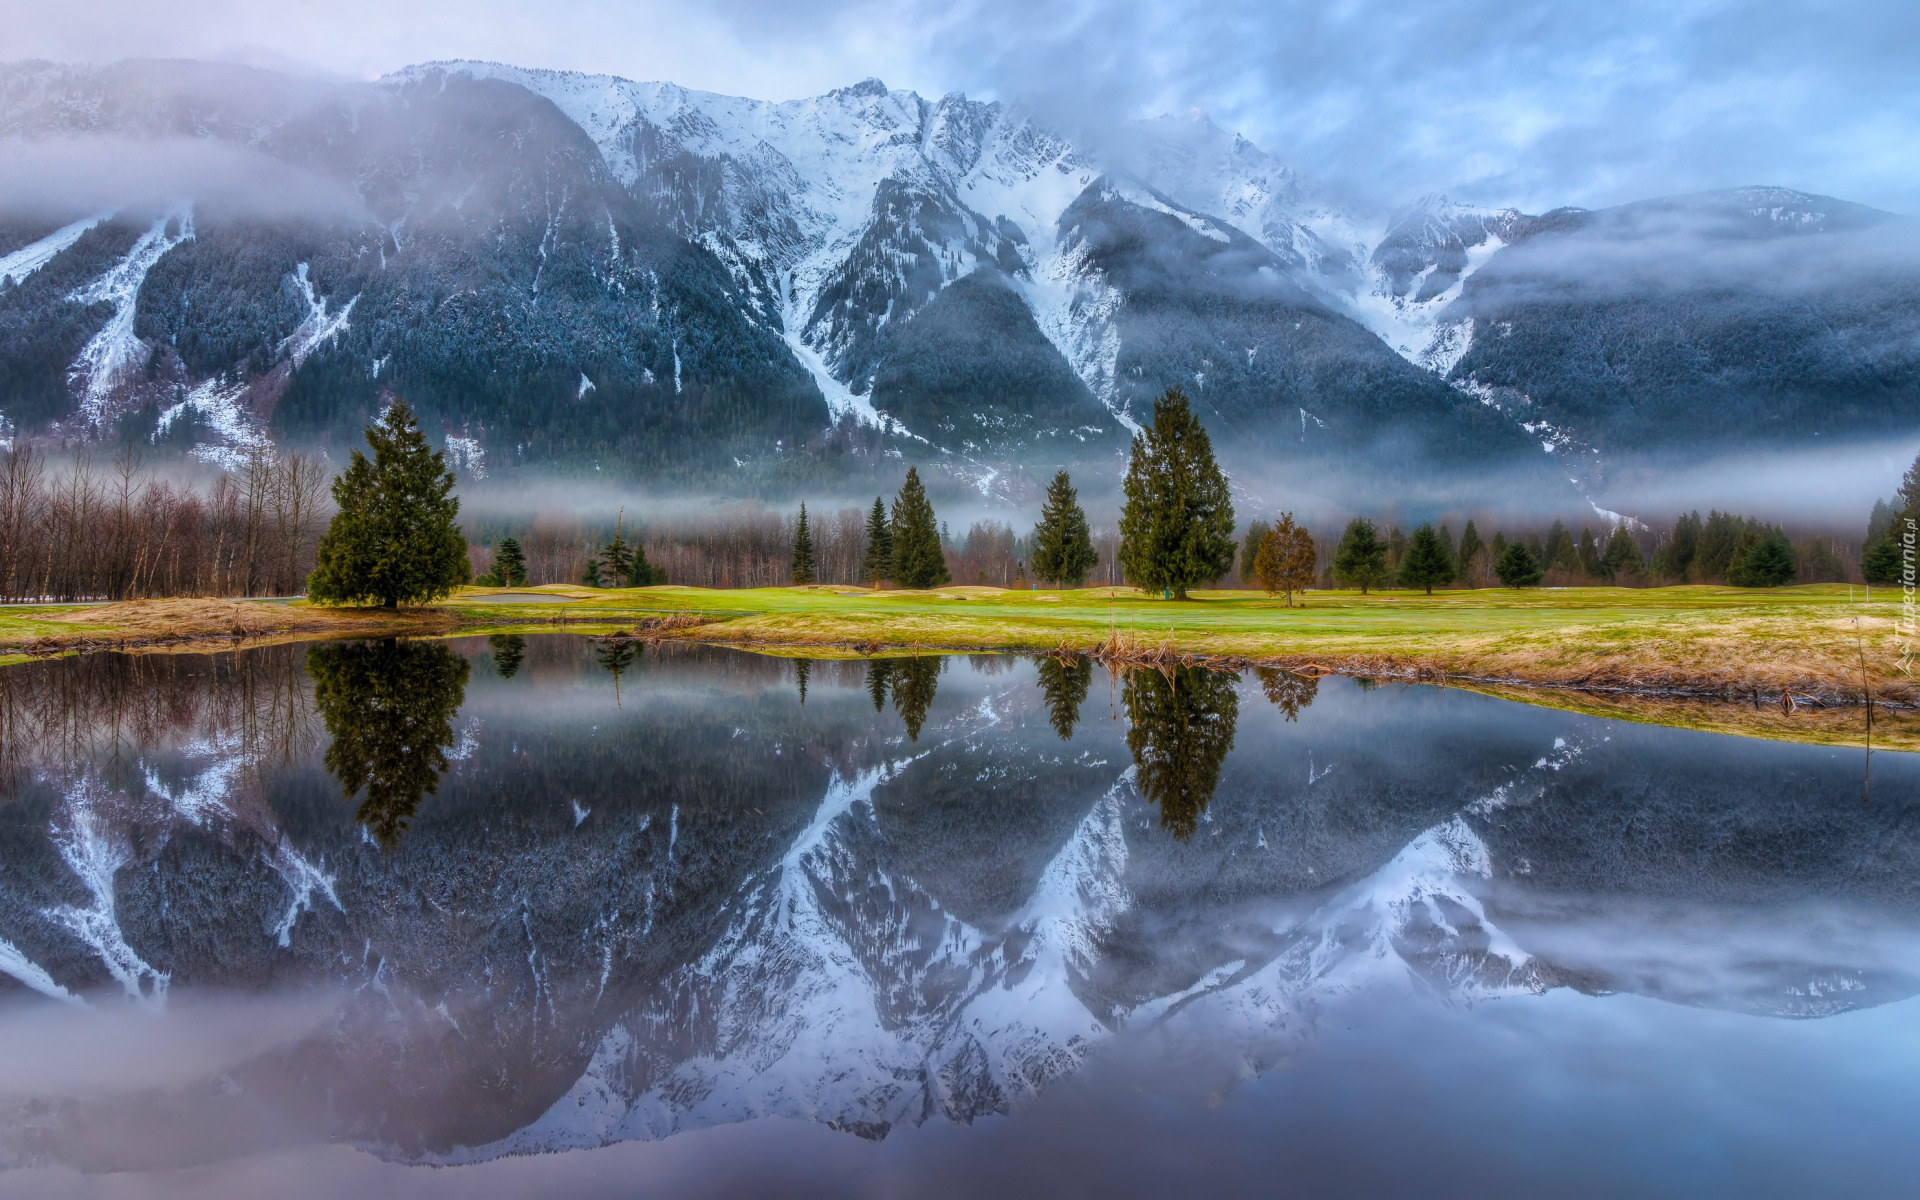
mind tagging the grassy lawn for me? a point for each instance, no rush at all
(1709, 657)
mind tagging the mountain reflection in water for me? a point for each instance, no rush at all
(871, 895)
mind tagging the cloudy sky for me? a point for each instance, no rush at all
(1529, 102)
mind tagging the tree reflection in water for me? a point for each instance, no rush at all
(912, 681)
(389, 706)
(616, 655)
(1065, 682)
(508, 650)
(1289, 692)
(1182, 722)
(802, 671)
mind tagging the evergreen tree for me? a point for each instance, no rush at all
(1360, 560)
(1561, 553)
(591, 576)
(1470, 544)
(1250, 550)
(877, 567)
(1446, 543)
(802, 550)
(1880, 523)
(1590, 559)
(1426, 561)
(510, 563)
(1884, 562)
(1517, 568)
(1499, 544)
(1176, 528)
(640, 572)
(918, 559)
(1062, 545)
(1676, 554)
(618, 556)
(1763, 558)
(1396, 548)
(1622, 558)
(1714, 554)
(394, 540)
(1285, 560)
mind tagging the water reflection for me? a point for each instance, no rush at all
(615, 655)
(711, 904)
(1290, 692)
(1065, 680)
(913, 684)
(509, 650)
(389, 706)
(1181, 728)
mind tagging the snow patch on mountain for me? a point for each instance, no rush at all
(23, 262)
(114, 350)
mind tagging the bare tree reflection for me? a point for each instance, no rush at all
(1182, 721)
(112, 708)
(389, 706)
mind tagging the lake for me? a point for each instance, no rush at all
(559, 914)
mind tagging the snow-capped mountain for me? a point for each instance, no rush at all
(579, 271)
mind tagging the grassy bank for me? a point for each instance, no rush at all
(1779, 662)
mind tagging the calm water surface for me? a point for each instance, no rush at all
(572, 916)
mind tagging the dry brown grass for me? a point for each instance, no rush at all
(135, 623)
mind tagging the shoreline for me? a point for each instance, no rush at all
(1743, 668)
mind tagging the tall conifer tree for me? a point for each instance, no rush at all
(1360, 560)
(510, 563)
(394, 540)
(1426, 561)
(802, 549)
(1470, 544)
(1176, 529)
(877, 567)
(1062, 545)
(918, 560)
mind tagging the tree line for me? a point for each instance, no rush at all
(80, 531)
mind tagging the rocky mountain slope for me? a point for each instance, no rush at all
(585, 272)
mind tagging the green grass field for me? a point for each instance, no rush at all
(1709, 657)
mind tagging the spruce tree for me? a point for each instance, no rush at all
(1360, 560)
(802, 550)
(1176, 529)
(591, 576)
(1470, 544)
(1622, 557)
(1884, 562)
(1764, 559)
(1517, 567)
(640, 572)
(617, 556)
(510, 563)
(1591, 561)
(1250, 550)
(394, 540)
(918, 560)
(1426, 561)
(1063, 551)
(877, 567)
